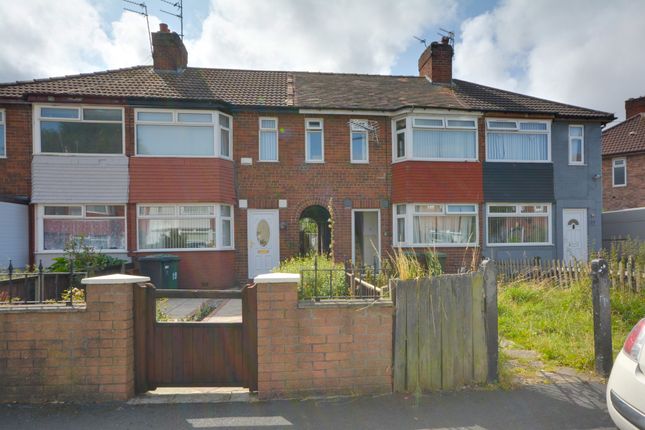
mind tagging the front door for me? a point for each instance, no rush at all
(574, 240)
(263, 234)
(366, 246)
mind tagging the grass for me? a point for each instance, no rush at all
(558, 322)
(313, 285)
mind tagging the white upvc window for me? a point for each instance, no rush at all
(435, 224)
(435, 138)
(3, 135)
(359, 141)
(101, 226)
(619, 172)
(78, 130)
(519, 141)
(177, 227)
(182, 133)
(518, 224)
(268, 149)
(314, 141)
(576, 145)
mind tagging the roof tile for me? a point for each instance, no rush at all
(626, 137)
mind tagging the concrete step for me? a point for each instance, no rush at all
(174, 395)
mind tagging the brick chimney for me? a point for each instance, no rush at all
(436, 62)
(168, 50)
(634, 106)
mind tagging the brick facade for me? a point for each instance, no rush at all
(304, 351)
(15, 180)
(70, 354)
(633, 194)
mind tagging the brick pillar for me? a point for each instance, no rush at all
(110, 310)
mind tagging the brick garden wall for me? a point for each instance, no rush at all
(321, 350)
(70, 354)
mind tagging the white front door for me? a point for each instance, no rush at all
(263, 235)
(574, 241)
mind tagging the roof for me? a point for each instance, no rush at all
(281, 89)
(626, 137)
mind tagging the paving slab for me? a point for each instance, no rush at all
(230, 311)
(181, 309)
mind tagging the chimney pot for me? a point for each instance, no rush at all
(436, 62)
(163, 27)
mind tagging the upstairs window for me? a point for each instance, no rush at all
(400, 126)
(576, 145)
(619, 172)
(168, 133)
(3, 149)
(359, 141)
(314, 141)
(518, 141)
(436, 138)
(80, 130)
(102, 226)
(268, 139)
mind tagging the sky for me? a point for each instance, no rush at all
(583, 52)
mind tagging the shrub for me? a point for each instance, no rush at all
(85, 258)
(406, 265)
(316, 284)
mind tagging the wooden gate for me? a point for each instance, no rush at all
(193, 353)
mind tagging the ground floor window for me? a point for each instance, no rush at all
(185, 226)
(519, 224)
(101, 226)
(435, 224)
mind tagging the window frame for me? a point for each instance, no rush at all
(40, 225)
(410, 125)
(517, 130)
(37, 108)
(582, 145)
(322, 140)
(410, 213)
(218, 225)
(355, 128)
(613, 171)
(3, 124)
(518, 213)
(215, 124)
(277, 138)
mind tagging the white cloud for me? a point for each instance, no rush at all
(313, 35)
(581, 52)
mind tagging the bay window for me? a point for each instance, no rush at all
(518, 141)
(79, 130)
(169, 133)
(519, 224)
(432, 224)
(101, 226)
(185, 227)
(436, 138)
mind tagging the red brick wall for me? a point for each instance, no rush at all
(302, 184)
(436, 62)
(178, 180)
(634, 106)
(321, 350)
(437, 182)
(15, 179)
(70, 355)
(630, 196)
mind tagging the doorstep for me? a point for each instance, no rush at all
(174, 395)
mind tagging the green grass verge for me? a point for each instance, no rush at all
(558, 322)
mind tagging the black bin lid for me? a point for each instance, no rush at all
(162, 258)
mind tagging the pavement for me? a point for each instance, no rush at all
(229, 311)
(181, 309)
(563, 405)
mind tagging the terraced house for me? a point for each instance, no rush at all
(220, 166)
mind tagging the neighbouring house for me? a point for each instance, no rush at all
(623, 171)
(233, 170)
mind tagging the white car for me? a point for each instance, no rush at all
(626, 386)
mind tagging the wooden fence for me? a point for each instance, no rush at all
(623, 274)
(446, 331)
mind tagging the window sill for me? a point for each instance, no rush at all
(181, 156)
(504, 245)
(60, 154)
(437, 245)
(102, 251)
(520, 161)
(359, 162)
(268, 161)
(183, 250)
(315, 161)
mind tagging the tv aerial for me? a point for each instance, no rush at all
(425, 43)
(179, 5)
(143, 11)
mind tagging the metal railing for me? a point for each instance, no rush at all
(350, 282)
(40, 286)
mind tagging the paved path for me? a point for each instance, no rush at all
(230, 311)
(180, 309)
(578, 405)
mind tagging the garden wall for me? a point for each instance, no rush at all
(59, 353)
(307, 348)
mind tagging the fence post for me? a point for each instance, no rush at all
(601, 316)
(490, 303)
